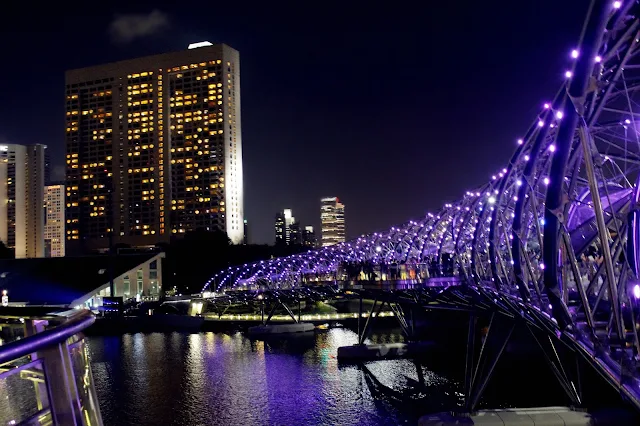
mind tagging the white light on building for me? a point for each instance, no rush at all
(200, 44)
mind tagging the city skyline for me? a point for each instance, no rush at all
(296, 125)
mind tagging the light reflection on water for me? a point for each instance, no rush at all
(229, 379)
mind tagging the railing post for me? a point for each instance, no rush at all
(63, 394)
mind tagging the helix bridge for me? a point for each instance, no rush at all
(552, 239)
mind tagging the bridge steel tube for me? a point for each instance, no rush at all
(591, 41)
(493, 255)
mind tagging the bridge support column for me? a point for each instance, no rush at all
(494, 344)
(552, 358)
(468, 370)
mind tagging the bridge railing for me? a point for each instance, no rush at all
(45, 377)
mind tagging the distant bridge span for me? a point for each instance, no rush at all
(555, 232)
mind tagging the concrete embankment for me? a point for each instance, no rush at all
(564, 416)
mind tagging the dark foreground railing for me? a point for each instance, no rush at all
(45, 377)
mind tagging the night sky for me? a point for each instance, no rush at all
(394, 109)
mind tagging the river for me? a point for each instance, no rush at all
(229, 379)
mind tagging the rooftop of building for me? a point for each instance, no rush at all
(149, 63)
(61, 280)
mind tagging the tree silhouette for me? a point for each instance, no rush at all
(6, 252)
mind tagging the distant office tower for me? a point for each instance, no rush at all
(154, 148)
(332, 219)
(47, 167)
(287, 229)
(309, 237)
(295, 234)
(280, 228)
(22, 199)
(54, 238)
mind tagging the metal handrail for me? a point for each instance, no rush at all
(39, 341)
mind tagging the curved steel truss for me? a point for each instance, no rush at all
(557, 228)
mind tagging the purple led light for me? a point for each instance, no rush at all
(520, 141)
(546, 181)
(617, 4)
(574, 53)
(627, 121)
(568, 74)
(552, 148)
(547, 106)
(559, 115)
(598, 59)
(540, 123)
(636, 291)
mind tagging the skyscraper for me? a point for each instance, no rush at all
(309, 237)
(22, 199)
(280, 228)
(154, 147)
(287, 229)
(332, 219)
(54, 237)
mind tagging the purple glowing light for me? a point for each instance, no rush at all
(546, 181)
(574, 53)
(540, 123)
(568, 74)
(552, 148)
(542, 266)
(617, 4)
(627, 121)
(520, 141)
(636, 291)
(559, 115)
(598, 59)
(547, 106)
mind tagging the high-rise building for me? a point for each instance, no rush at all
(287, 229)
(54, 237)
(332, 219)
(154, 148)
(309, 237)
(280, 228)
(295, 234)
(288, 221)
(22, 199)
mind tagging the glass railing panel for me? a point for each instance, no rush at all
(79, 354)
(23, 394)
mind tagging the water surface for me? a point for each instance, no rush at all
(229, 379)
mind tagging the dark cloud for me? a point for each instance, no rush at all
(126, 28)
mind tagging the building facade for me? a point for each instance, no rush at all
(154, 148)
(22, 199)
(332, 219)
(54, 236)
(280, 228)
(287, 229)
(309, 237)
